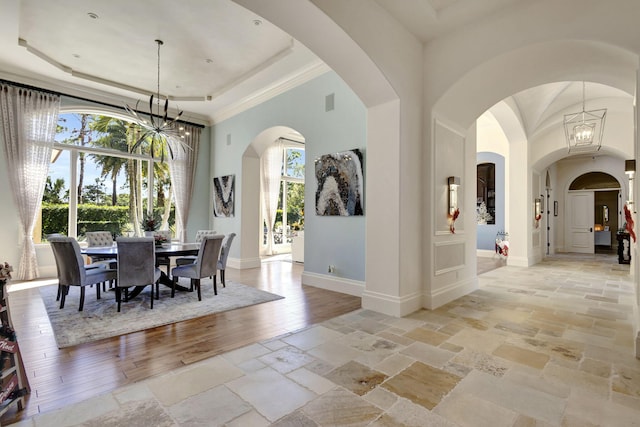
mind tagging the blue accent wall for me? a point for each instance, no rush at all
(487, 232)
(339, 241)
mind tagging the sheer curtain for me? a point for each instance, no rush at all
(270, 176)
(183, 169)
(29, 119)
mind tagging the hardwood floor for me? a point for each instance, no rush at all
(59, 377)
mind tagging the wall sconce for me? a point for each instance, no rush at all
(605, 213)
(454, 183)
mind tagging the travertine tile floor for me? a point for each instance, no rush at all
(549, 345)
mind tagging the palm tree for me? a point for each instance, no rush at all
(114, 137)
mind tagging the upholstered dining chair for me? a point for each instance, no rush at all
(73, 272)
(204, 266)
(101, 239)
(190, 259)
(136, 266)
(224, 254)
(166, 261)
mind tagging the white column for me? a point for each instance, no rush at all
(520, 219)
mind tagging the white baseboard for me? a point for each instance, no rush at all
(391, 305)
(518, 261)
(485, 253)
(449, 293)
(244, 263)
(331, 283)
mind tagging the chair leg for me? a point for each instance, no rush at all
(63, 295)
(215, 286)
(152, 286)
(82, 298)
(196, 282)
(224, 284)
(118, 295)
(98, 290)
(173, 286)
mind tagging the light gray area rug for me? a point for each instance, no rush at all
(100, 318)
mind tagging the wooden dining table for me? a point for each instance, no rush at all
(166, 250)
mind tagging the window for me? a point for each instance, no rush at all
(94, 182)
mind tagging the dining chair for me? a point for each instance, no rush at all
(204, 266)
(72, 270)
(101, 239)
(224, 254)
(190, 259)
(136, 266)
(166, 261)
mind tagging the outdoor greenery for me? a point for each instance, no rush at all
(102, 204)
(95, 218)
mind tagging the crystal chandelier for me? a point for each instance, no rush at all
(159, 129)
(584, 130)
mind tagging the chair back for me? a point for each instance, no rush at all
(201, 234)
(224, 251)
(208, 253)
(99, 238)
(69, 261)
(136, 261)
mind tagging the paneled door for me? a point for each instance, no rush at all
(579, 222)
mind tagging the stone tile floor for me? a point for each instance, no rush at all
(549, 345)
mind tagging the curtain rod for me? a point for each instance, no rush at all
(106, 104)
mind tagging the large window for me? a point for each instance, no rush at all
(95, 183)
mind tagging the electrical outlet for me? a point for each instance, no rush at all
(332, 269)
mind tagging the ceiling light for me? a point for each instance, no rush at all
(159, 128)
(584, 130)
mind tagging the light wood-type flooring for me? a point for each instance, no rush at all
(60, 377)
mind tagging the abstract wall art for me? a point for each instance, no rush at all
(223, 195)
(340, 184)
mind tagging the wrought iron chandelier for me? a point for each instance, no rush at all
(584, 130)
(159, 129)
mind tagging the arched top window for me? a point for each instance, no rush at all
(594, 181)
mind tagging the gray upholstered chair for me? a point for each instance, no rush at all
(101, 239)
(190, 259)
(166, 261)
(224, 254)
(205, 265)
(73, 272)
(136, 266)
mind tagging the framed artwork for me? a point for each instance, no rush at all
(340, 184)
(223, 196)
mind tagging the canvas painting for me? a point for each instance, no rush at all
(223, 195)
(340, 184)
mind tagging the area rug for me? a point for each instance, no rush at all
(100, 318)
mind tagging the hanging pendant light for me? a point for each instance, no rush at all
(584, 130)
(159, 129)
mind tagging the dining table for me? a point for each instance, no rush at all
(172, 249)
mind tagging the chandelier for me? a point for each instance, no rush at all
(160, 130)
(584, 130)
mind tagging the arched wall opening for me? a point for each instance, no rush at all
(251, 194)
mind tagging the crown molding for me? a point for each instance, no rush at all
(279, 87)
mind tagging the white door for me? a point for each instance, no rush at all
(580, 222)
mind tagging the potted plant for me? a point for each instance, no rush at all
(150, 223)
